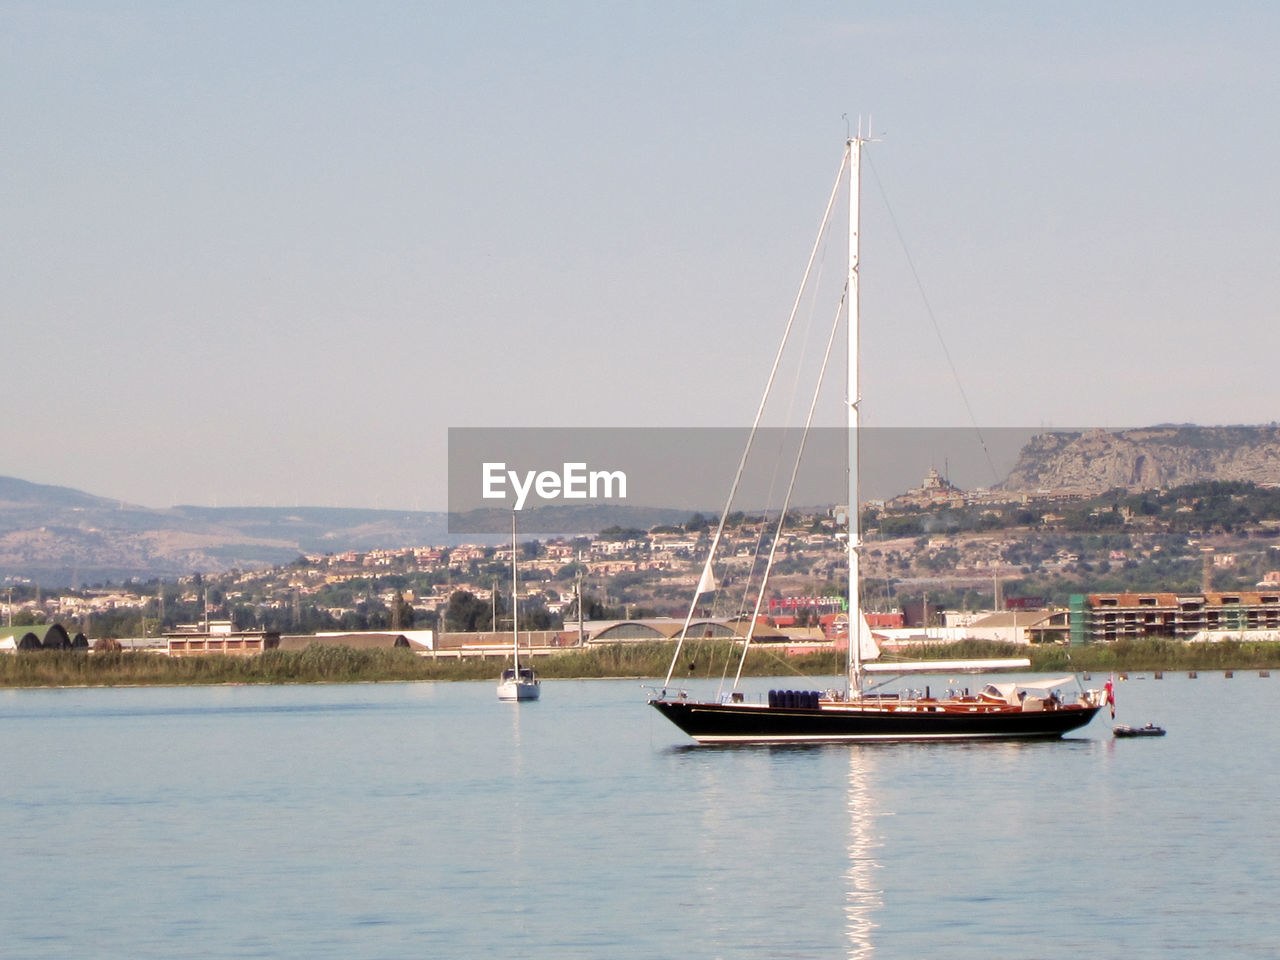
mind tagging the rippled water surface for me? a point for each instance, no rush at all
(430, 820)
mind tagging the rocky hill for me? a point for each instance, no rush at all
(1150, 458)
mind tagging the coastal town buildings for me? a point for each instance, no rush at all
(938, 563)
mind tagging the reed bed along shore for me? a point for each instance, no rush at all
(701, 661)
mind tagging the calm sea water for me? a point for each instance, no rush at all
(430, 820)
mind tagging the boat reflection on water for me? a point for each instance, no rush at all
(863, 895)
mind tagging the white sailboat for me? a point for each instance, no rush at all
(1025, 710)
(517, 682)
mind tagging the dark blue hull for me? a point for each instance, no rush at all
(711, 722)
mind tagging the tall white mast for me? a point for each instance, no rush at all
(515, 590)
(853, 398)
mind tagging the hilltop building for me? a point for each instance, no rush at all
(934, 491)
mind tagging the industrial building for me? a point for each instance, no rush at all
(42, 636)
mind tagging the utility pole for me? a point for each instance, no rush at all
(581, 635)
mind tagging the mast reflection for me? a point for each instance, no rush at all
(863, 896)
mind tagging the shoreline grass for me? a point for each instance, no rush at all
(644, 661)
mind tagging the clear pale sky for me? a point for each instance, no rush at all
(267, 253)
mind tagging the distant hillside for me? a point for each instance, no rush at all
(1150, 458)
(57, 536)
(16, 494)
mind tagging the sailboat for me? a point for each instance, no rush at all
(1034, 709)
(517, 682)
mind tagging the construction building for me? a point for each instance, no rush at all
(1123, 616)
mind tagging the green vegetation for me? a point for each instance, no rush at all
(705, 661)
(315, 664)
(320, 663)
(1224, 506)
(616, 534)
(1129, 655)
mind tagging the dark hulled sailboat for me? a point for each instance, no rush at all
(1004, 711)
